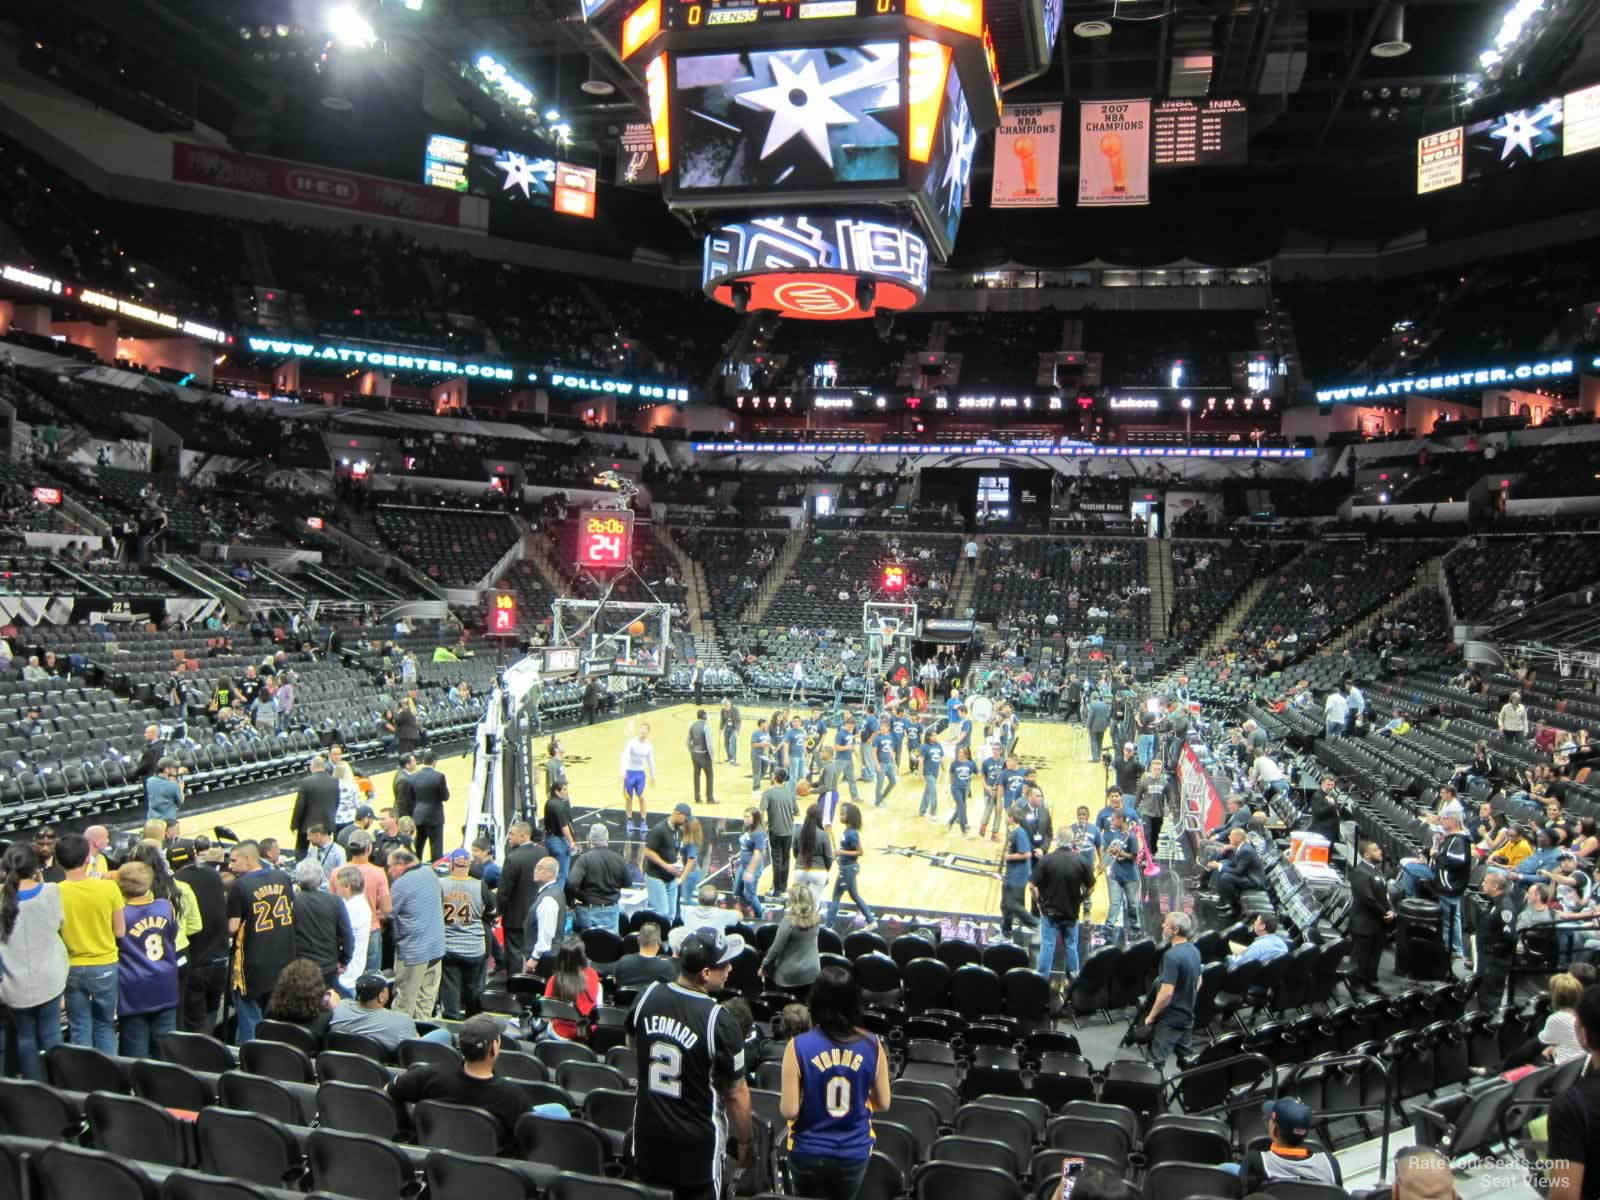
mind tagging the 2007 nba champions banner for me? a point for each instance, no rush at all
(1113, 152)
(1027, 157)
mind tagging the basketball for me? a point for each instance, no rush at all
(802, 788)
(636, 629)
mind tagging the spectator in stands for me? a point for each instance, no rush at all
(1172, 1013)
(595, 882)
(147, 963)
(1423, 1173)
(1266, 945)
(474, 1083)
(572, 981)
(468, 911)
(33, 672)
(163, 791)
(92, 923)
(261, 919)
(559, 843)
(647, 964)
(301, 997)
(662, 868)
(1061, 882)
(322, 930)
(1513, 718)
(316, 802)
(364, 820)
(707, 910)
(201, 983)
(1239, 872)
(369, 1015)
(515, 894)
(1287, 1157)
(835, 1075)
(1574, 1124)
(326, 853)
(1448, 868)
(417, 913)
(548, 912)
(1335, 713)
(349, 885)
(792, 961)
(430, 793)
(35, 957)
(375, 886)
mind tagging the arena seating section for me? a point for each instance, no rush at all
(1035, 577)
(455, 547)
(1499, 576)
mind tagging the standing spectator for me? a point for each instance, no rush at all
(850, 852)
(404, 802)
(1097, 719)
(1370, 915)
(147, 964)
(92, 921)
(202, 984)
(375, 886)
(595, 881)
(1172, 1013)
(835, 1076)
(468, 908)
(691, 1071)
(1448, 868)
(1018, 868)
(1061, 882)
(559, 843)
(728, 720)
(349, 885)
(1335, 714)
(752, 859)
(548, 914)
(316, 801)
(700, 756)
(661, 866)
(261, 920)
(1513, 719)
(322, 932)
(1153, 803)
(324, 851)
(417, 912)
(1575, 1115)
(813, 853)
(514, 895)
(792, 960)
(779, 810)
(163, 791)
(574, 982)
(35, 958)
(430, 792)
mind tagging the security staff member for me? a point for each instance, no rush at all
(1370, 914)
(699, 743)
(1497, 941)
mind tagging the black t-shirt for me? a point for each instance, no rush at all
(263, 902)
(1180, 966)
(637, 970)
(1063, 880)
(663, 839)
(688, 1047)
(500, 1098)
(557, 818)
(1575, 1130)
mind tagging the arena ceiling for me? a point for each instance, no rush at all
(1333, 126)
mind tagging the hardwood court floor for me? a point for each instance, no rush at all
(593, 755)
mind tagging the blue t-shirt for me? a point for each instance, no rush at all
(796, 739)
(869, 727)
(993, 768)
(850, 841)
(1123, 871)
(835, 1082)
(932, 757)
(897, 727)
(884, 743)
(961, 773)
(966, 733)
(951, 708)
(845, 740)
(1011, 782)
(760, 740)
(749, 843)
(1018, 842)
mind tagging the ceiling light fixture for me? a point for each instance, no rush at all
(350, 29)
(1092, 29)
(1391, 41)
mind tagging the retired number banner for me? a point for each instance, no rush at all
(1027, 157)
(1113, 152)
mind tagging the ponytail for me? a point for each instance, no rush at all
(20, 863)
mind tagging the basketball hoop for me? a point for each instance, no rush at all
(888, 627)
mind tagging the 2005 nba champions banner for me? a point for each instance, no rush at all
(1027, 157)
(1113, 152)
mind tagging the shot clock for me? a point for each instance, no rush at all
(502, 614)
(605, 538)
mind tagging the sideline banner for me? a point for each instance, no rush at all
(1113, 152)
(1027, 157)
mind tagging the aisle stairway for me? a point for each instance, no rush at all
(966, 581)
(757, 608)
(1234, 617)
(1163, 585)
(536, 548)
(708, 646)
(1427, 579)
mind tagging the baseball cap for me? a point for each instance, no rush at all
(1294, 1118)
(370, 985)
(684, 809)
(365, 813)
(1128, 745)
(474, 1035)
(460, 855)
(709, 948)
(180, 856)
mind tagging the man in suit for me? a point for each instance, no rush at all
(404, 799)
(1241, 871)
(592, 698)
(699, 743)
(429, 792)
(315, 803)
(1325, 821)
(514, 896)
(1098, 720)
(1370, 914)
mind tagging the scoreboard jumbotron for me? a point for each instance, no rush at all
(825, 145)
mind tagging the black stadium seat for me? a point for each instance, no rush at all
(355, 1165)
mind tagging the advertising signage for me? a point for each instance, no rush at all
(980, 449)
(1507, 375)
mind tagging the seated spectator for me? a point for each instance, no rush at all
(1287, 1157)
(648, 964)
(370, 1016)
(474, 1083)
(572, 982)
(300, 997)
(706, 911)
(1267, 945)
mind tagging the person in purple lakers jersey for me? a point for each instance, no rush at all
(147, 963)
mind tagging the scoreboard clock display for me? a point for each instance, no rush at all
(605, 538)
(502, 615)
(702, 14)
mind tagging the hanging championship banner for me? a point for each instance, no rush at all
(1027, 157)
(636, 155)
(1113, 152)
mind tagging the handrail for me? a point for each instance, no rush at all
(1175, 1084)
(1334, 1060)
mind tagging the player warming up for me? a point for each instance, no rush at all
(638, 762)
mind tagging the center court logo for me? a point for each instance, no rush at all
(818, 299)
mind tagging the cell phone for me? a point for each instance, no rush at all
(1071, 1168)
